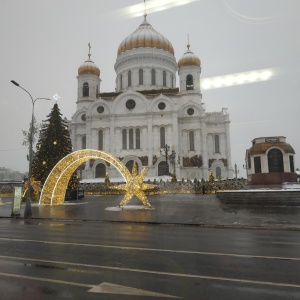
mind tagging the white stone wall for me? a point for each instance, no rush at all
(146, 59)
(149, 119)
(189, 70)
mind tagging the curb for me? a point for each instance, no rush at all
(199, 225)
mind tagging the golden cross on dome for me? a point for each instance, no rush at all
(188, 45)
(145, 10)
(89, 44)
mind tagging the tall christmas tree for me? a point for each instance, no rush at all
(54, 144)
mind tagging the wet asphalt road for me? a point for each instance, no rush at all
(45, 259)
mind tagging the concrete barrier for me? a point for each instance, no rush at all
(261, 197)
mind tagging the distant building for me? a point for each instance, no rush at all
(147, 111)
(270, 160)
(9, 175)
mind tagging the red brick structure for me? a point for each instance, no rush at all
(269, 161)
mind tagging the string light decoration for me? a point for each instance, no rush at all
(55, 186)
(135, 186)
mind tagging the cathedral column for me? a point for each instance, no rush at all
(73, 138)
(144, 142)
(112, 147)
(88, 133)
(106, 139)
(94, 144)
(176, 142)
(87, 172)
(175, 131)
(78, 142)
(228, 150)
(204, 147)
(150, 139)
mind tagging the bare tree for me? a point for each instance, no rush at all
(26, 135)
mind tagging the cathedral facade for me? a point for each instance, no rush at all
(148, 119)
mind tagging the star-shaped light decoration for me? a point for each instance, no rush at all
(135, 186)
(56, 97)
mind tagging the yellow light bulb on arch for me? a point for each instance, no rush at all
(56, 183)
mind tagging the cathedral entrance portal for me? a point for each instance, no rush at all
(129, 166)
(163, 168)
(100, 171)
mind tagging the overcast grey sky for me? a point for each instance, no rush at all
(44, 42)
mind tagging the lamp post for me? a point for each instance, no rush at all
(27, 211)
(166, 150)
(173, 159)
(236, 171)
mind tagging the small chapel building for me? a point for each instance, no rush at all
(148, 119)
(270, 160)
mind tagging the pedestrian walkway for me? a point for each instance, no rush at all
(184, 209)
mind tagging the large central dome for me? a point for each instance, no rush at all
(145, 36)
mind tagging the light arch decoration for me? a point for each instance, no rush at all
(56, 183)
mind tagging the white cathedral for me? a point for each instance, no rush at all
(148, 119)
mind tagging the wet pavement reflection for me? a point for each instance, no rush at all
(190, 209)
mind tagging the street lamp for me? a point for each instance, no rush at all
(28, 212)
(236, 171)
(166, 149)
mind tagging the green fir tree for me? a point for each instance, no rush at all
(54, 144)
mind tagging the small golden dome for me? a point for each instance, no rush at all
(189, 59)
(145, 37)
(89, 67)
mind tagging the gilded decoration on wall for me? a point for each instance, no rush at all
(144, 160)
(194, 161)
(91, 162)
(211, 161)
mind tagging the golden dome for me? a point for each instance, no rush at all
(89, 67)
(143, 37)
(189, 59)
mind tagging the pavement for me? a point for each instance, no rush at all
(170, 209)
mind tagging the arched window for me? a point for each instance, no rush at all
(141, 76)
(131, 138)
(137, 138)
(85, 90)
(124, 139)
(217, 144)
(100, 171)
(153, 77)
(129, 165)
(275, 161)
(192, 141)
(100, 140)
(189, 82)
(292, 167)
(218, 172)
(257, 164)
(249, 160)
(162, 137)
(172, 79)
(121, 81)
(97, 90)
(83, 142)
(129, 78)
(164, 78)
(163, 168)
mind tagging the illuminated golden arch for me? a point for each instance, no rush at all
(56, 183)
